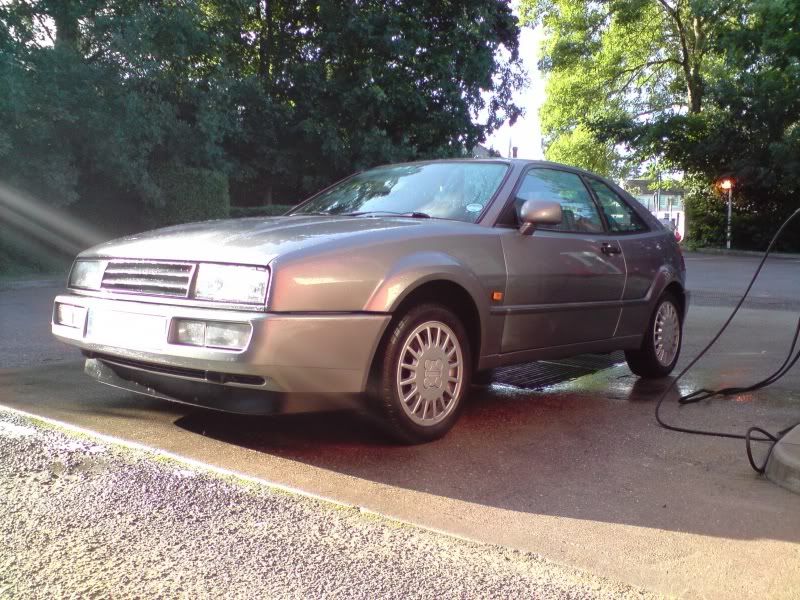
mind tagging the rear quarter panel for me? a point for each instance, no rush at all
(653, 262)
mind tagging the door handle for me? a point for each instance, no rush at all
(610, 249)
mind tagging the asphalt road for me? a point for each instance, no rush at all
(579, 473)
(721, 280)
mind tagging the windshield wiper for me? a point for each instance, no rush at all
(413, 214)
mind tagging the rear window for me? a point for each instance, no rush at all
(619, 216)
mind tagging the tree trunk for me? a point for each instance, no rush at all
(264, 14)
(692, 39)
(268, 194)
(694, 92)
(66, 22)
(694, 81)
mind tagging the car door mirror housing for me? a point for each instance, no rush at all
(539, 212)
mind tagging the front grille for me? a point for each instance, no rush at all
(155, 278)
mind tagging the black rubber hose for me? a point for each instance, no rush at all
(704, 393)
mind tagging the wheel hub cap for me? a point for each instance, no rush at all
(430, 373)
(666, 333)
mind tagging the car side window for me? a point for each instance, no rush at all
(619, 216)
(578, 210)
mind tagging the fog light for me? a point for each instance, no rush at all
(70, 315)
(227, 335)
(212, 334)
(192, 333)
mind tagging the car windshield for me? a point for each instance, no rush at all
(447, 190)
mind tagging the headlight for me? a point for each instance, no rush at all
(87, 274)
(231, 283)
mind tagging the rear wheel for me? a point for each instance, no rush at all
(661, 345)
(423, 375)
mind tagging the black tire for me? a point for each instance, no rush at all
(644, 362)
(386, 385)
(484, 378)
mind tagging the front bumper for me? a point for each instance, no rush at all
(292, 353)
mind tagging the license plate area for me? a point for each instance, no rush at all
(126, 330)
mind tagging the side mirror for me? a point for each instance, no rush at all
(539, 212)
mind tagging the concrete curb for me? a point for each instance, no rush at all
(783, 466)
(752, 253)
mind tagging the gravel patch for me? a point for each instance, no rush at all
(86, 519)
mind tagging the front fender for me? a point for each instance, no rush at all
(415, 270)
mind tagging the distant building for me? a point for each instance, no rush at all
(481, 151)
(666, 204)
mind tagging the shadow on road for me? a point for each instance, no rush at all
(587, 451)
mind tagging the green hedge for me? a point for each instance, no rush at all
(705, 216)
(271, 210)
(22, 255)
(754, 222)
(190, 194)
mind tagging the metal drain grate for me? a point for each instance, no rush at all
(535, 375)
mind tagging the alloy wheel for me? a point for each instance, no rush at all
(430, 373)
(666, 333)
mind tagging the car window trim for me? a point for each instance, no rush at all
(596, 200)
(624, 202)
(510, 202)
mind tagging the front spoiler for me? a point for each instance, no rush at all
(239, 400)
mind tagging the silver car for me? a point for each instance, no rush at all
(392, 290)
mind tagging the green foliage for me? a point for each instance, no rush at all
(106, 105)
(579, 147)
(282, 96)
(21, 255)
(752, 226)
(621, 60)
(705, 214)
(705, 87)
(190, 194)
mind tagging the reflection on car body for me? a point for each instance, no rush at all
(389, 290)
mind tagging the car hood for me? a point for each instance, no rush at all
(258, 240)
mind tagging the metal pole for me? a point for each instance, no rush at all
(730, 212)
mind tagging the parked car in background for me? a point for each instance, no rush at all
(389, 290)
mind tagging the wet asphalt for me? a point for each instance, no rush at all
(578, 473)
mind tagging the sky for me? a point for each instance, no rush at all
(525, 134)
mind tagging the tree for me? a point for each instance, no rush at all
(357, 84)
(636, 60)
(280, 96)
(99, 93)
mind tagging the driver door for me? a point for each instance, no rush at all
(565, 282)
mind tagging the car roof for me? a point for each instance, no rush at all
(514, 162)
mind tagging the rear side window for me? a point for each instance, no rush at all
(577, 207)
(620, 216)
